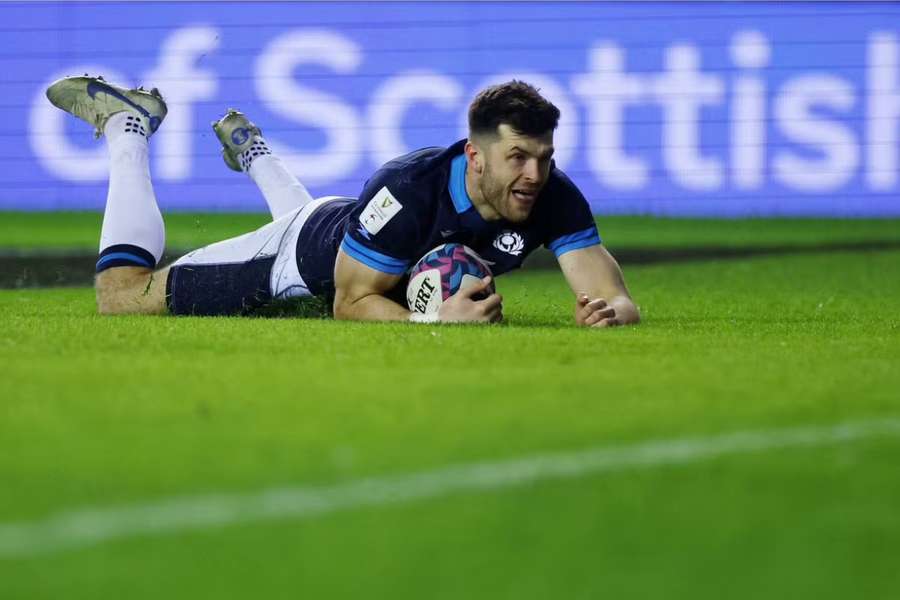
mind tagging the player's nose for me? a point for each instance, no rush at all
(532, 172)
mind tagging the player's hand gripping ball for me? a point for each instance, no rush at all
(443, 272)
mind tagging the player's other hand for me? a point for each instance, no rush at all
(594, 313)
(462, 307)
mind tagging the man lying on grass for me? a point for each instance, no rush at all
(497, 192)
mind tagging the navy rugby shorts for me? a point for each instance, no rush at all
(242, 274)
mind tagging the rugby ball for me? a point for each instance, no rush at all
(440, 274)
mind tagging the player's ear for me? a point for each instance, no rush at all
(474, 157)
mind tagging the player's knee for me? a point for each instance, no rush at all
(110, 302)
(123, 290)
(111, 292)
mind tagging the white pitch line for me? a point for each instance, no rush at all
(90, 526)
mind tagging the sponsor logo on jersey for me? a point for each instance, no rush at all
(510, 242)
(381, 208)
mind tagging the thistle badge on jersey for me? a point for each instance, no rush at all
(510, 242)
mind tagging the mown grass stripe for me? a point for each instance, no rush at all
(89, 526)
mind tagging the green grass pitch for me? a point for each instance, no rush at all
(102, 413)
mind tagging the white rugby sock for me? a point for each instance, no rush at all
(132, 222)
(281, 189)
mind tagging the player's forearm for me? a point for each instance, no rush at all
(373, 307)
(626, 311)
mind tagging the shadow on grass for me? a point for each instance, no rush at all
(61, 269)
(646, 256)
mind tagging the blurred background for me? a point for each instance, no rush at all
(669, 109)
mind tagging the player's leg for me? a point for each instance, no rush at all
(131, 290)
(132, 238)
(242, 274)
(236, 276)
(244, 149)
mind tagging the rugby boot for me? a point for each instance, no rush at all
(94, 100)
(237, 135)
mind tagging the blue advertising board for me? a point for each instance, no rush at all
(731, 109)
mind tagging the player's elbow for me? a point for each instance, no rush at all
(344, 306)
(341, 311)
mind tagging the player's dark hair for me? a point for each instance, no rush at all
(514, 103)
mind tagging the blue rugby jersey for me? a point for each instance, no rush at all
(419, 201)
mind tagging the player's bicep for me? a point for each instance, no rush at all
(593, 271)
(354, 280)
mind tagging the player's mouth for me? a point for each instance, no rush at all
(525, 197)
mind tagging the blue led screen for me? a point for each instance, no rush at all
(695, 109)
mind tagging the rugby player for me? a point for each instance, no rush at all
(497, 192)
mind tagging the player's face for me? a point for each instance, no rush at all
(516, 168)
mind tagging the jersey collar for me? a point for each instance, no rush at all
(469, 218)
(457, 185)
